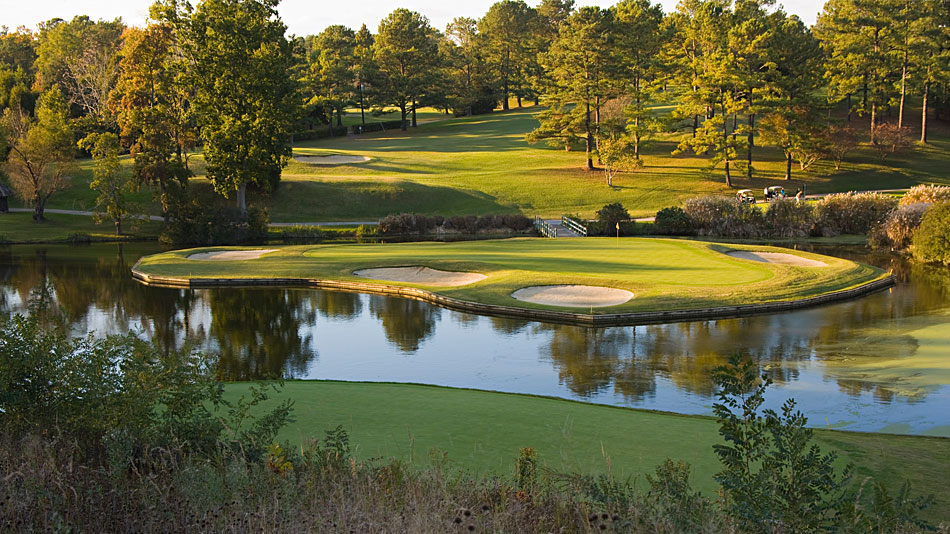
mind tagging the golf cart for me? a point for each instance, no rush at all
(774, 192)
(746, 196)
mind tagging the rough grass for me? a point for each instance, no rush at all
(481, 432)
(664, 274)
(19, 227)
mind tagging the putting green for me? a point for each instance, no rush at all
(664, 274)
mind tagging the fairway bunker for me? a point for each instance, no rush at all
(231, 255)
(573, 296)
(780, 258)
(331, 160)
(418, 274)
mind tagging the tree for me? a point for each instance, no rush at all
(108, 179)
(41, 150)
(82, 57)
(404, 50)
(463, 47)
(507, 26)
(639, 40)
(617, 154)
(151, 102)
(331, 69)
(244, 100)
(582, 65)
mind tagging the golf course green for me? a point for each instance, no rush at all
(655, 275)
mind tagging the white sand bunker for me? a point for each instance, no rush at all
(421, 275)
(573, 296)
(331, 160)
(776, 257)
(231, 255)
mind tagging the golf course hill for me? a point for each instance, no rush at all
(592, 281)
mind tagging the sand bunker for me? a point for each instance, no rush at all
(776, 257)
(231, 255)
(421, 275)
(573, 296)
(331, 160)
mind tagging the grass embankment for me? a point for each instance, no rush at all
(663, 274)
(482, 432)
(19, 227)
(482, 165)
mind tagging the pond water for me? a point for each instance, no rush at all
(880, 363)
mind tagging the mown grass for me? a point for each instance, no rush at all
(19, 227)
(663, 274)
(482, 165)
(482, 432)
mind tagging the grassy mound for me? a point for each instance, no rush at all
(664, 274)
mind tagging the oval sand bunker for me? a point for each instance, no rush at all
(331, 160)
(231, 255)
(573, 296)
(421, 275)
(776, 257)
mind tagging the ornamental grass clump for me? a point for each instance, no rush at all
(789, 218)
(928, 194)
(722, 216)
(851, 213)
(897, 230)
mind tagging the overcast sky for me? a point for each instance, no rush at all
(304, 17)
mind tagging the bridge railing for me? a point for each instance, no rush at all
(545, 229)
(574, 225)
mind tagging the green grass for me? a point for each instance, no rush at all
(664, 274)
(482, 165)
(20, 227)
(482, 432)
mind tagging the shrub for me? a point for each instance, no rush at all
(897, 230)
(789, 218)
(202, 220)
(930, 194)
(721, 216)
(673, 221)
(889, 139)
(932, 239)
(300, 231)
(851, 213)
(610, 215)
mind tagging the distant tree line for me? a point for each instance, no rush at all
(223, 75)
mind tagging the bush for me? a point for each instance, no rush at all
(196, 219)
(789, 218)
(851, 213)
(932, 239)
(897, 230)
(300, 232)
(722, 216)
(673, 221)
(610, 215)
(929, 194)
(377, 126)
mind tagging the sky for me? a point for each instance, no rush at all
(305, 17)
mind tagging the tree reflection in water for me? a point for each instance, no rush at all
(406, 322)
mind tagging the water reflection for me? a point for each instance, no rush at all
(867, 363)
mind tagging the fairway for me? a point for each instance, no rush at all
(662, 274)
(482, 432)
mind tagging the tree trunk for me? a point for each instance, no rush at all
(849, 107)
(163, 198)
(339, 117)
(414, 122)
(750, 141)
(519, 100)
(900, 113)
(537, 100)
(118, 225)
(402, 109)
(636, 125)
(504, 104)
(241, 200)
(590, 139)
(38, 206)
(725, 142)
(873, 120)
(788, 165)
(695, 124)
(923, 115)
